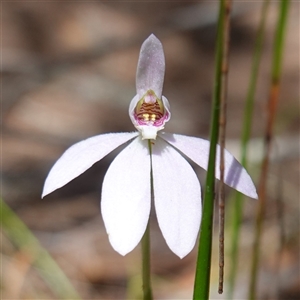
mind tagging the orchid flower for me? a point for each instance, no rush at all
(151, 158)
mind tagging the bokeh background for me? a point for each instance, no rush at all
(68, 73)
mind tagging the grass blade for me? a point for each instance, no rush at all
(202, 278)
(22, 237)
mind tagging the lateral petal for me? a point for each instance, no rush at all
(151, 67)
(126, 197)
(81, 156)
(197, 150)
(177, 198)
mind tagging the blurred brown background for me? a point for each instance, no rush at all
(68, 72)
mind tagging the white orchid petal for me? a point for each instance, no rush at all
(197, 150)
(151, 67)
(177, 198)
(81, 156)
(126, 196)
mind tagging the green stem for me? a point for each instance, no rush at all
(202, 278)
(146, 266)
(147, 291)
(248, 112)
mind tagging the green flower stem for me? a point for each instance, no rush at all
(147, 291)
(272, 107)
(146, 266)
(22, 237)
(248, 112)
(202, 278)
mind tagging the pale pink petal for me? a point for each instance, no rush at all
(81, 156)
(177, 198)
(151, 67)
(197, 150)
(132, 106)
(126, 197)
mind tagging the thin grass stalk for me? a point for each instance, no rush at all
(246, 131)
(203, 266)
(222, 122)
(22, 238)
(272, 107)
